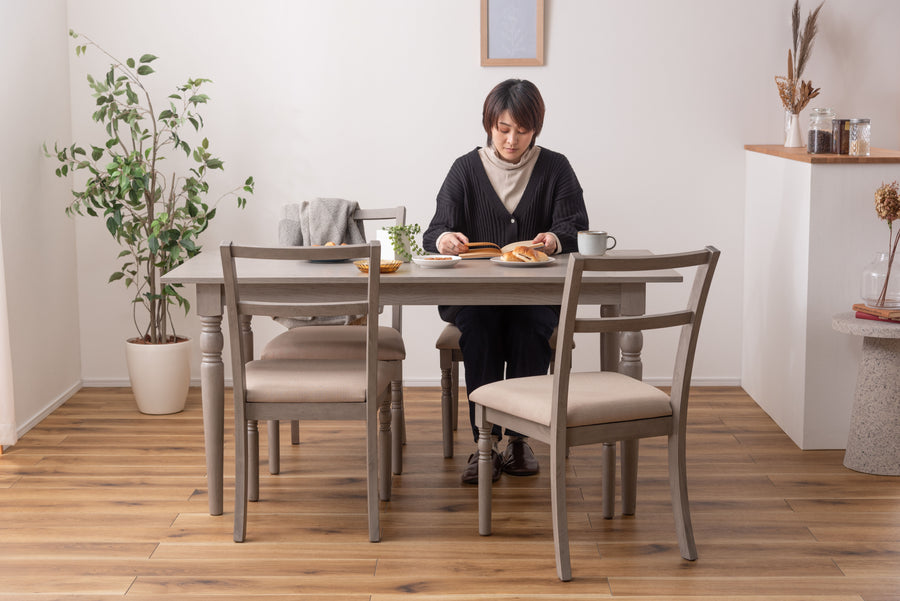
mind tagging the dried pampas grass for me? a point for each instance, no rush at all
(794, 92)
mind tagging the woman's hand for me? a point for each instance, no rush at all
(548, 240)
(452, 243)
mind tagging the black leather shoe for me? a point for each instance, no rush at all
(519, 459)
(470, 474)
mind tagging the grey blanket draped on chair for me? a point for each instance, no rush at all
(315, 222)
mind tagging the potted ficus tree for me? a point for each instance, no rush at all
(131, 180)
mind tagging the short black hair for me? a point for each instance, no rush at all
(523, 101)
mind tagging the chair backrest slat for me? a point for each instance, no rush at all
(687, 319)
(398, 214)
(646, 262)
(302, 253)
(633, 324)
(280, 309)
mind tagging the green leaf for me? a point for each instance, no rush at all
(111, 225)
(148, 58)
(145, 70)
(130, 63)
(116, 276)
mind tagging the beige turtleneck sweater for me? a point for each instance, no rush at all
(509, 179)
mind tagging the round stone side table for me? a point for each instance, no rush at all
(873, 444)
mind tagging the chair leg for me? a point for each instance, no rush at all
(252, 460)
(608, 479)
(295, 431)
(385, 450)
(680, 504)
(558, 507)
(240, 483)
(454, 394)
(629, 475)
(485, 472)
(446, 404)
(274, 449)
(397, 426)
(372, 481)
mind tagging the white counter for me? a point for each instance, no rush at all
(810, 228)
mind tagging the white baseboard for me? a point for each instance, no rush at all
(22, 429)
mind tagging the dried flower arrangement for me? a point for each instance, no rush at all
(796, 93)
(887, 205)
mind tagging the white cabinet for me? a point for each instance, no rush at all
(810, 228)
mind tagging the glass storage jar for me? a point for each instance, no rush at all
(820, 136)
(860, 133)
(840, 134)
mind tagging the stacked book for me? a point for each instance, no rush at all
(877, 313)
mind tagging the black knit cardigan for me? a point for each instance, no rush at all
(467, 203)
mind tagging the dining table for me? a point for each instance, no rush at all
(467, 282)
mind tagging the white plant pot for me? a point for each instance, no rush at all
(160, 375)
(387, 248)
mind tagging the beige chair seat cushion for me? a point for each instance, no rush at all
(334, 342)
(594, 398)
(311, 380)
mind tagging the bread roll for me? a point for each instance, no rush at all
(540, 256)
(510, 256)
(525, 254)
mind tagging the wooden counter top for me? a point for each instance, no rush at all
(879, 155)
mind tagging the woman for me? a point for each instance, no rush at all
(508, 191)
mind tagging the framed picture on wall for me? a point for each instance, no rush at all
(512, 32)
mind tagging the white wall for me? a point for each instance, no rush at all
(38, 239)
(651, 101)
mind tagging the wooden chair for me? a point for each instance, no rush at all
(275, 389)
(571, 409)
(340, 341)
(450, 357)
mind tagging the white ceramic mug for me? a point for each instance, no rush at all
(595, 243)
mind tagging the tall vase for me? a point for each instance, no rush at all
(873, 282)
(792, 137)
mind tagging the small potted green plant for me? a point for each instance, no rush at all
(130, 180)
(402, 238)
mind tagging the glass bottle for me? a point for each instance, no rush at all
(873, 278)
(819, 136)
(860, 134)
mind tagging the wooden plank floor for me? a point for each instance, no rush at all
(99, 502)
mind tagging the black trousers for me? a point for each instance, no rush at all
(504, 342)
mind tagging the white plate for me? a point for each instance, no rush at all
(500, 261)
(443, 262)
